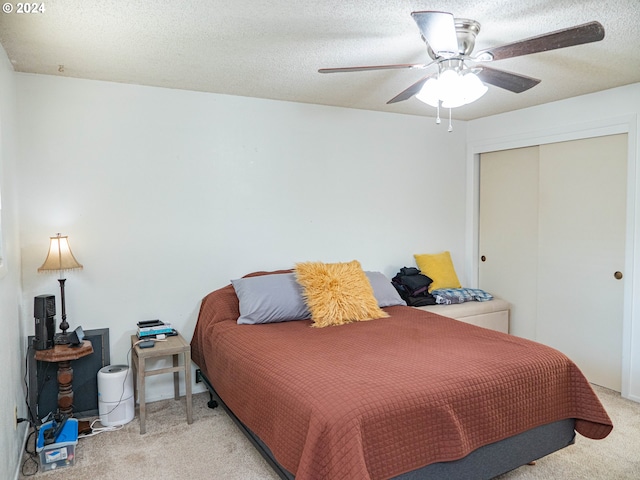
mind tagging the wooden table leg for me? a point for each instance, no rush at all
(187, 385)
(134, 371)
(65, 388)
(141, 394)
(176, 378)
(65, 395)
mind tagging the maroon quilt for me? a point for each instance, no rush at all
(375, 399)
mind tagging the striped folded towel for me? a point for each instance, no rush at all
(448, 296)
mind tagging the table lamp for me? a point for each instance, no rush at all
(60, 259)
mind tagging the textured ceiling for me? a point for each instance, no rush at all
(273, 48)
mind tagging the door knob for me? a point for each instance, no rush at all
(618, 275)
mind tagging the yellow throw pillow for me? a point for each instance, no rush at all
(439, 268)
(337, 293)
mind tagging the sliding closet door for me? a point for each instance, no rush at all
(508, 233)
(581, 241)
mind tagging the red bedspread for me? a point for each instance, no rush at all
(379, 398)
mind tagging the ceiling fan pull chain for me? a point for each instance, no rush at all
(438, 114)
(450, 129)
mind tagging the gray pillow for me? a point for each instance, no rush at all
(385, 293)
(270, 299)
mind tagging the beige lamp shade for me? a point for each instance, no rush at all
(59, 256)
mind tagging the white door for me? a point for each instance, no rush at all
(555, 261)
(581, 246)
(508, 240)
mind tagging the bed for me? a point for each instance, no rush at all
(412, 396)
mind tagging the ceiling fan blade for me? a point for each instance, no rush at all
(411, 91)
(514, 82)
(374, 67)
(439, 31)
(568, 37)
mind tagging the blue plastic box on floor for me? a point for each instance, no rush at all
(62, 453)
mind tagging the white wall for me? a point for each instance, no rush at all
(166, 195)
(12, 351)
(602, 113)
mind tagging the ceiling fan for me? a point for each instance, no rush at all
(460, 76)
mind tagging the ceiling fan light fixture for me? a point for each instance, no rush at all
(450, 85)
(453, 88)
(473, 88)
(430, 93)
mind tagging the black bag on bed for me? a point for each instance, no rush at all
(413, 287)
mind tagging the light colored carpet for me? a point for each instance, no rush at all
(213, 448)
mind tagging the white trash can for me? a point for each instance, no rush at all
(115, 395)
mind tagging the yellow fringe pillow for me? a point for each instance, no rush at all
(337, 293)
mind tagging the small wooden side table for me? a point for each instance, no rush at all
(175, 346)
(63, 355)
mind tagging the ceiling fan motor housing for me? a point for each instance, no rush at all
(466, 31)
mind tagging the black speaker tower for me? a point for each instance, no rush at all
(44, 311)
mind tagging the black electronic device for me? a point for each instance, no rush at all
(150, 323)
(52, 434)
(76, 337)
(44, 312)
(147, 344)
